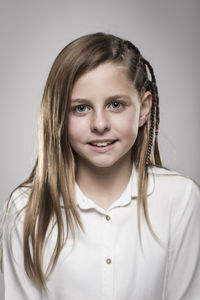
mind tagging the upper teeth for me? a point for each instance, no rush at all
(101, 143)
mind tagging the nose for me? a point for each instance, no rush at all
(100, 122)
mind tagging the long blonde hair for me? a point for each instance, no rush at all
(51, 182)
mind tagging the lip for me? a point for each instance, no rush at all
(101, 141)
(102, 149)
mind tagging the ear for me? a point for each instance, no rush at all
(145, 108)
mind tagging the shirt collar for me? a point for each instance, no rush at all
(130, 193)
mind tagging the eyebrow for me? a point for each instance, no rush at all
(110, 98)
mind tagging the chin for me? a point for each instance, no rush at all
(103, 164)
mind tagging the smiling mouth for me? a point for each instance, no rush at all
(102, 144)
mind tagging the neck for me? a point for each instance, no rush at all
(104, 185)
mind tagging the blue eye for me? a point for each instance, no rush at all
(116, 105)
(80, 108)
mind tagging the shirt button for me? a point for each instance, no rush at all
(108, 261)
(108, 218)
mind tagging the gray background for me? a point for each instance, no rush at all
(33, 32)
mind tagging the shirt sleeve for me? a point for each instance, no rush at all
(17, 284)
(183, 282)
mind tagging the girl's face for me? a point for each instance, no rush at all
(105, 114)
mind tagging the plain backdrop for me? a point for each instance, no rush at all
(32, 34)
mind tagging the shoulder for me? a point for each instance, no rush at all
(172, 179)
(177, 189)
(11, 218)
(16, 203)
(19, 197)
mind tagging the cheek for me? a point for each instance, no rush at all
(76, 128)
(128, 126)
(72, 129)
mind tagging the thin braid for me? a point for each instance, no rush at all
(157, 116)
(155, 92)
(155, 119)
(151, 135)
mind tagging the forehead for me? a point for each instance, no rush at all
(105, 79)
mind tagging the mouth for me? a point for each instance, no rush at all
(102, 144)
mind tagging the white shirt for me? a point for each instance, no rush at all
(107, 262)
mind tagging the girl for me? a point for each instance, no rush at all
(99, 217)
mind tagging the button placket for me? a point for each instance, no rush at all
(108, 258)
